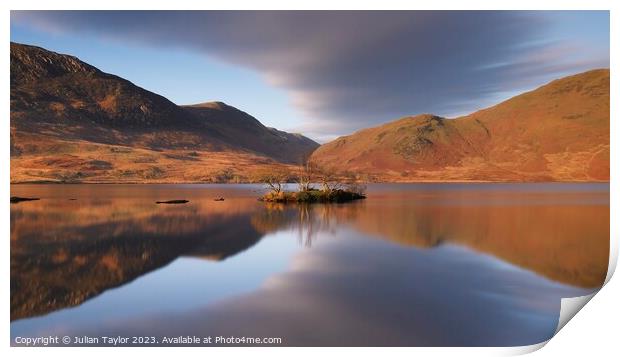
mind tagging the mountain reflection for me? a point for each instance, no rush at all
(566, 242)
(65, 252)
(353, 291)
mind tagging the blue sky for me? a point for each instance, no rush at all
(327, 74)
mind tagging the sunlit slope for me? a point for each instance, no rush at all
(558, 132)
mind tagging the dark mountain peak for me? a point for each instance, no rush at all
(51, 87)
(220, 111)
(211, 105)
(58, 101)
(30, 63)
(238, 126)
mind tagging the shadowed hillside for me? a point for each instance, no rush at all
(70, 122)
(558, 132)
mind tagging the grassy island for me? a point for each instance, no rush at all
(333, 186)
(312, 196)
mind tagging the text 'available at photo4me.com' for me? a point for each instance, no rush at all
(144, 340)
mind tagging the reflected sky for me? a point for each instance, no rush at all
(372, 293)
(417, 265)
(184, 284)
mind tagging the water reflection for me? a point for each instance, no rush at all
(373, 294)
(408, 266)
(64, 252)
(566, 241)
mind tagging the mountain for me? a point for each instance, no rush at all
(72, 122)
(558, 132)
(238, 126)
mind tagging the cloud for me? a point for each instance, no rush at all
(350, 69)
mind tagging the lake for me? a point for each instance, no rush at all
(412, 265)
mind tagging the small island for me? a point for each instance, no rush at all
(333, 186)
(312, 196)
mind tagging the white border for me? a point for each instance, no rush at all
(592, 330)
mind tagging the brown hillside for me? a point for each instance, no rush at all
(558, 132)
(73, 122)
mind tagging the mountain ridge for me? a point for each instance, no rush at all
(71, 122)
(63, 108)
(557, 132)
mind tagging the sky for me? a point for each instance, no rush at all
(329, 73)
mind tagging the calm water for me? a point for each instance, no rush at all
(415, 265)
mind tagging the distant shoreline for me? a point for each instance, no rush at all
(258, 183)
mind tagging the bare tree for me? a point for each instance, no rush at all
(353, 183)
(329, 179)
(273, 178)
(306, 173)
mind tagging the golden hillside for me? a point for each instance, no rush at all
(558, 132)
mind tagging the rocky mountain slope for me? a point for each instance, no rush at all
(558, 132)
(73, 122)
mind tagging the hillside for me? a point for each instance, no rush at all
(558, 132)
(71, 122)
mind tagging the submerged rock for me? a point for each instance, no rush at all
(172, 202)
(15, 199)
